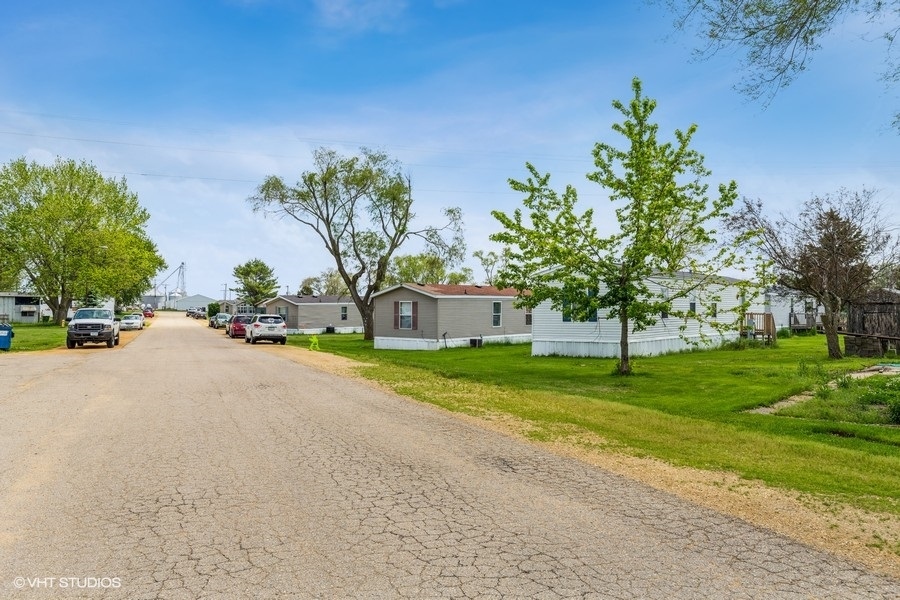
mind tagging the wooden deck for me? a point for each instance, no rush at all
(760, 326)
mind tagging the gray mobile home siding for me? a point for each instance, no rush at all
(427, 323)
(460, 317)
(314, 315)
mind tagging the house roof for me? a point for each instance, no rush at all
(436, 290)
(297, 299)
(882, 296)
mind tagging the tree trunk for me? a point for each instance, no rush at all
(624, 360)
(368, 317)
(60, 309)
(829, 324)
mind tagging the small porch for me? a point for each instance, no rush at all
(759, 326)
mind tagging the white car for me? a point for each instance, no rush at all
(266, 327)
(132, 322)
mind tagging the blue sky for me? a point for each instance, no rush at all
(196, 102)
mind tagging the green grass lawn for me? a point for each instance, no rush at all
(688, 409)
(40, 336)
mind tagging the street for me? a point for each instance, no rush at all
(184, 464)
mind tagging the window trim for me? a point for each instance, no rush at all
(497, 314)
(414, 314)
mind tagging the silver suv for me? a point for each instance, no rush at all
(266, 327)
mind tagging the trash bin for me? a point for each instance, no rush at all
(6, 336)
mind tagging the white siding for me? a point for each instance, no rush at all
(552, 336)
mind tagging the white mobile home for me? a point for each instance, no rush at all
(555, 333)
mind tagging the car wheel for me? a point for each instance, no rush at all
(246, 340)
(110, 342)
(70, 344)
(117, 340)
(283, 341)
(252, 340)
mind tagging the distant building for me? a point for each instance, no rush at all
(316, 314)
(195, 300)
(19, 307)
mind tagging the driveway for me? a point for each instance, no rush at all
(189, 465)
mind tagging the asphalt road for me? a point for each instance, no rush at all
(188, 465)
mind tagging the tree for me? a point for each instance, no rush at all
(68, 232)
(426, 267)
(665, 230)
(256, 282)
(491, 262)
(361, 209)
(836, 250)
(328, 283)
(780, 36)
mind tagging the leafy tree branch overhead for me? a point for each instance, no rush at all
(780, 37)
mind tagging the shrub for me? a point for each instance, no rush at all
(844, 381)
(893, 406)
(783, 333)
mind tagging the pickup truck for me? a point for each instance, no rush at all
(92, 326)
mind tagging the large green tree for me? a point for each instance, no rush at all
(69, 232)
(836, 250)
(781, 36)
(361, 209)
(666, 229)
(256, 282)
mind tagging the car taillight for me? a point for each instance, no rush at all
(256, 324)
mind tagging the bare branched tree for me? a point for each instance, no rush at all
(838, 249)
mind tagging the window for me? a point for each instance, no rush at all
(713, 310)
(664, 312)
(343, 313)
(579, 309)
(692, 308)
(528, 316)
(496, 314)
(406, 314)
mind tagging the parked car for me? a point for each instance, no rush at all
(266, 327)
(220, 319)
(200, 312)
(190, 311)
(236, 325)
(93, 326)
(148, 313)
(134, 321)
